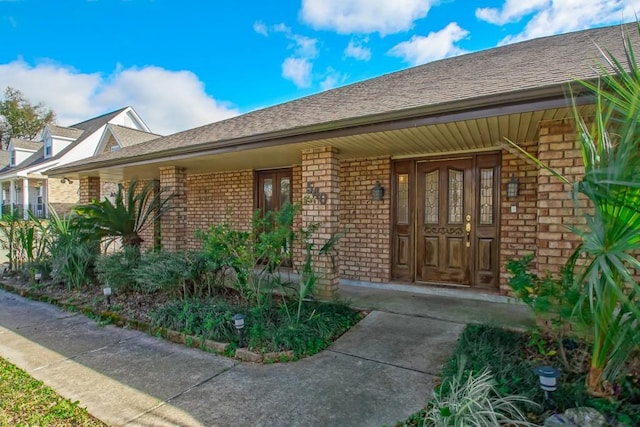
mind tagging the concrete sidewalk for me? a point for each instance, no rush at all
(378, 373)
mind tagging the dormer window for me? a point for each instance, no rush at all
(12, 158)
(48, 146)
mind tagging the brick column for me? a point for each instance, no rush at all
(320, 172)
(559, 148)
(173, 224)
(89, 189)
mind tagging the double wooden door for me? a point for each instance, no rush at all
(446, 220)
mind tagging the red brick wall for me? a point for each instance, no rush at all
(560, 149)
(173, 222)
(365, 249)
(518, 230)
(218, 197)
(321, 167)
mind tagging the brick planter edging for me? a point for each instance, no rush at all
(170, 335)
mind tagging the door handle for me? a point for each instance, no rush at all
(467, 228)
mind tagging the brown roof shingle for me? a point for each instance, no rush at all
(523, 68)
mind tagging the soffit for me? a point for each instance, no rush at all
(470, 135)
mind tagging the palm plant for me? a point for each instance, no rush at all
(611, 154)
(72, 248)
(132, 211)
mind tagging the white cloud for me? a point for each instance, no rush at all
(260, 28)
(436, 45)
(168, 101)
(332, 79)
(364, 16)
(357, 50)
(512, 11)
(559, 16)
(298, 70)
(298, 66)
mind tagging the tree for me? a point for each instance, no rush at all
(19, 118)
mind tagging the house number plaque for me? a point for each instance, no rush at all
(316, 194)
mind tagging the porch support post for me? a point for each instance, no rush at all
(1, 198)
(321, 205)
(89, 189)
(25, 198)
(12, 196)
(173, 224)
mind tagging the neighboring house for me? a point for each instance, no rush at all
(23, 183)
(411, 166)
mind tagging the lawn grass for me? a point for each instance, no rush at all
(25, 401)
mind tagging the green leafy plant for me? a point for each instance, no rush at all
(9, 236)
(73, 249)
(610, 147)
(129, 214)
(473, 400)
(118, 269)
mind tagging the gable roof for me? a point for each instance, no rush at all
(519, 73)
(25, 144)
(87, 128)
(64, 132)
(128, 136)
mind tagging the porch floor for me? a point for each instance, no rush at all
(449, 304)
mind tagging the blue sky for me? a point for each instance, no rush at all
(186, 63)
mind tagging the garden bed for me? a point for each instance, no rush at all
(511, 356)
(271, 334)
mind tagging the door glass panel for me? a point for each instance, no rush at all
(431, 197)
(486, 196)
(285, 191)
(267, 192)
(403, 199)
(456, 191)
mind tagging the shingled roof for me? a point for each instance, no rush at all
(128, 136)
(520, 72)
(25, 144)
(65, 132)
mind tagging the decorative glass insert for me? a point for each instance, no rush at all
(267, 191)
(456, 190)
(486, 196)
(431, 197)
(403, 199)
(285, 191)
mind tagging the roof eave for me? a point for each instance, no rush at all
(505, 103)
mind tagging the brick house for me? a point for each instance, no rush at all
(411, 165)
(24, 185)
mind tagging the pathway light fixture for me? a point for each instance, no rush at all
(548, 380)
(238, 322)
(107, 294)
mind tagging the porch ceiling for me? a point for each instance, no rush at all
(474, 134)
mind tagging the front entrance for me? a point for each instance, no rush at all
(446, 220)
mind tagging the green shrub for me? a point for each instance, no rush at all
(267, 329)
(118, 269)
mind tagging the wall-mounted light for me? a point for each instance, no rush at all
(377, 192)
(512, 187)
(66, 180)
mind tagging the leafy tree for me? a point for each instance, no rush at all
(128, 215)
(19, 118)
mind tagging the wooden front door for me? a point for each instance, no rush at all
(273, 189)
(448, 233)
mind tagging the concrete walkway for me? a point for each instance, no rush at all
(378, 373)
